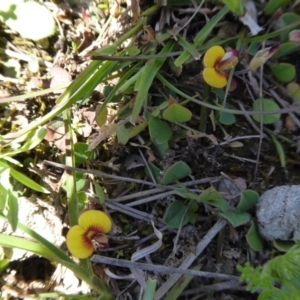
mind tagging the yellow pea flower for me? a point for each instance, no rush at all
(216, 61)
(92, 225)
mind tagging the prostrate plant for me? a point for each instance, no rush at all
(278, 279)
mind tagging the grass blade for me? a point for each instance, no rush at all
(147, 76)
(202, 35)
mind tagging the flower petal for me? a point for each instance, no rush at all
(95, 220)
(262, 56)
(101, 241)
(214, 78)
(228, 63)
(212, 56)
(78, 244)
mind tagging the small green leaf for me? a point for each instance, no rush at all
(101, 115)
(177, 171)
(283, 246)
(161, 149)
(253, 238)
(81, 152)
(266, 105)
(186, 194)
(177, 113)
(81, 200)
(221, 203)
(80, 180)
(160, 131)
(273, 5)
(248, 199)
(285, 49)
(135, 130)
(280, 150)
(294, 91)
(114, 98)
(236, 218)
(174, 215)
(284, 72)
(209, 194)
(227, 118)
(123, 134)
(133, 50)
(99, 192)
(81, 197)
(212, 197)
(176, 211)
(192, 212)
(156, 172)
(236, 6)
(285, 20)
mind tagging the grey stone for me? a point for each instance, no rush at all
(278, 213)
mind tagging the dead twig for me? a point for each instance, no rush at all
(190, 259)
(159, 269)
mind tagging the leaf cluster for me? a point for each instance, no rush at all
(277, 279)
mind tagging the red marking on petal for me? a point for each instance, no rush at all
(227, 64)
(273, 50)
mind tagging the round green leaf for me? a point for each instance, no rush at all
(284, 72)
(81, 152)
(177, 113)
(123, 134)
(294, 91)
(253, 238)
(176, 211)
(101, 115)
(283, 246)
(160, 131)
(285, 20)
(209, 194)
(227, 118)
(266, 105)
(248, 199)
(177, 171)
(236, 218)
(30, 19)
(273, 5)
(285, 49)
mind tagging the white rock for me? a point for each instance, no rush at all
(278, 213)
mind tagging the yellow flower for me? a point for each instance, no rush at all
(92, 225)
(216, 62)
